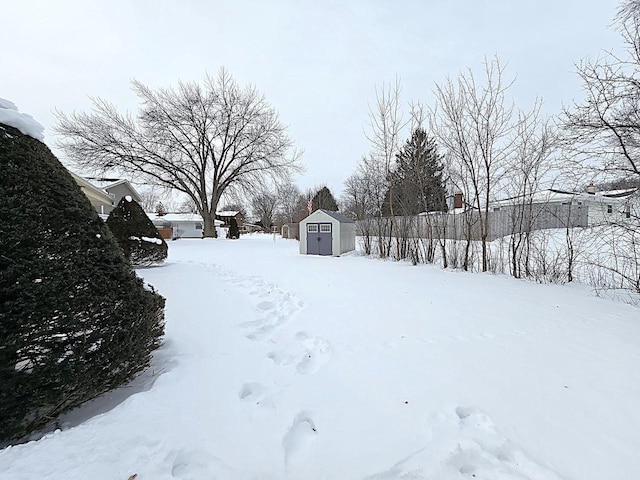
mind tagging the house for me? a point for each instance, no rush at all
(545, 209)
(250, 228)
(179, 225)
(118, 188)
(102, 201)
(574, 209)
(227, 215)
(327, 233)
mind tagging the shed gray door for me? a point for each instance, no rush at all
(319, 239)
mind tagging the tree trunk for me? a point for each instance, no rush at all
(209, 230)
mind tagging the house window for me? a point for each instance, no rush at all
(325, 227)
(627, 211)
(312, 228)
(496, 209)
(198, 226)
(609, 208)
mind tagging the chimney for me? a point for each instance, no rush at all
(591, 189)
(457, 200)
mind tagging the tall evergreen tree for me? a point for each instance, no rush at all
(75, 320)
(323, 199)
(416, 181)
(136, 234)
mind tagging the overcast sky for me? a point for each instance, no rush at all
(317, 62)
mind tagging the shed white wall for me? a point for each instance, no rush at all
(347, 237)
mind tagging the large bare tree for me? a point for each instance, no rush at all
(197, 139)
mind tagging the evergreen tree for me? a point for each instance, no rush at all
(75, 320)
(323, 199)
(136, 234)
(416, 182)
(234, 231)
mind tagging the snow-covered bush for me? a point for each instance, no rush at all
(137, 235)
(75, 319)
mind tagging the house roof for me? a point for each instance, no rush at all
(108, 183)
(178, 218)
(559, 196)
(335, 215)
(227, 213)
(91, 190)
(623, 193)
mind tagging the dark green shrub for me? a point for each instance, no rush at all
(75, 320)
(137, 235)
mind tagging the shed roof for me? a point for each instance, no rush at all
(337, 216)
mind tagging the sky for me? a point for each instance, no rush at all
(317, 63)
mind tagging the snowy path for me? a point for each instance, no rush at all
(281, 366)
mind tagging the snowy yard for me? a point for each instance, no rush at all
(283, 366)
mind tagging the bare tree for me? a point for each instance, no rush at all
(474, 123)
(604, 129)
(199, 140)
(386, 124)
(291, 203)
(531, 160)
(363, 200)
(264, 204)
(149, 198)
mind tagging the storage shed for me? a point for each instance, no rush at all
(327, 233)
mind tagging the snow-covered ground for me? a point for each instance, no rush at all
(283, 366)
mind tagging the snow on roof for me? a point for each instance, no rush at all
(178, 217)
(9, 115)
(621, 193)
(543, 196)
(227, 213)
(558, 196)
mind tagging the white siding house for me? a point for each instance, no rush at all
(100, 200)
(601, 207)
(327, 233)
(183, 225)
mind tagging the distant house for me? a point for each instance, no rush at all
(250, 228)
(545, 209)
(226, 215)
(179, 225)
(327, 233)
(576, 208)
(102, 201)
